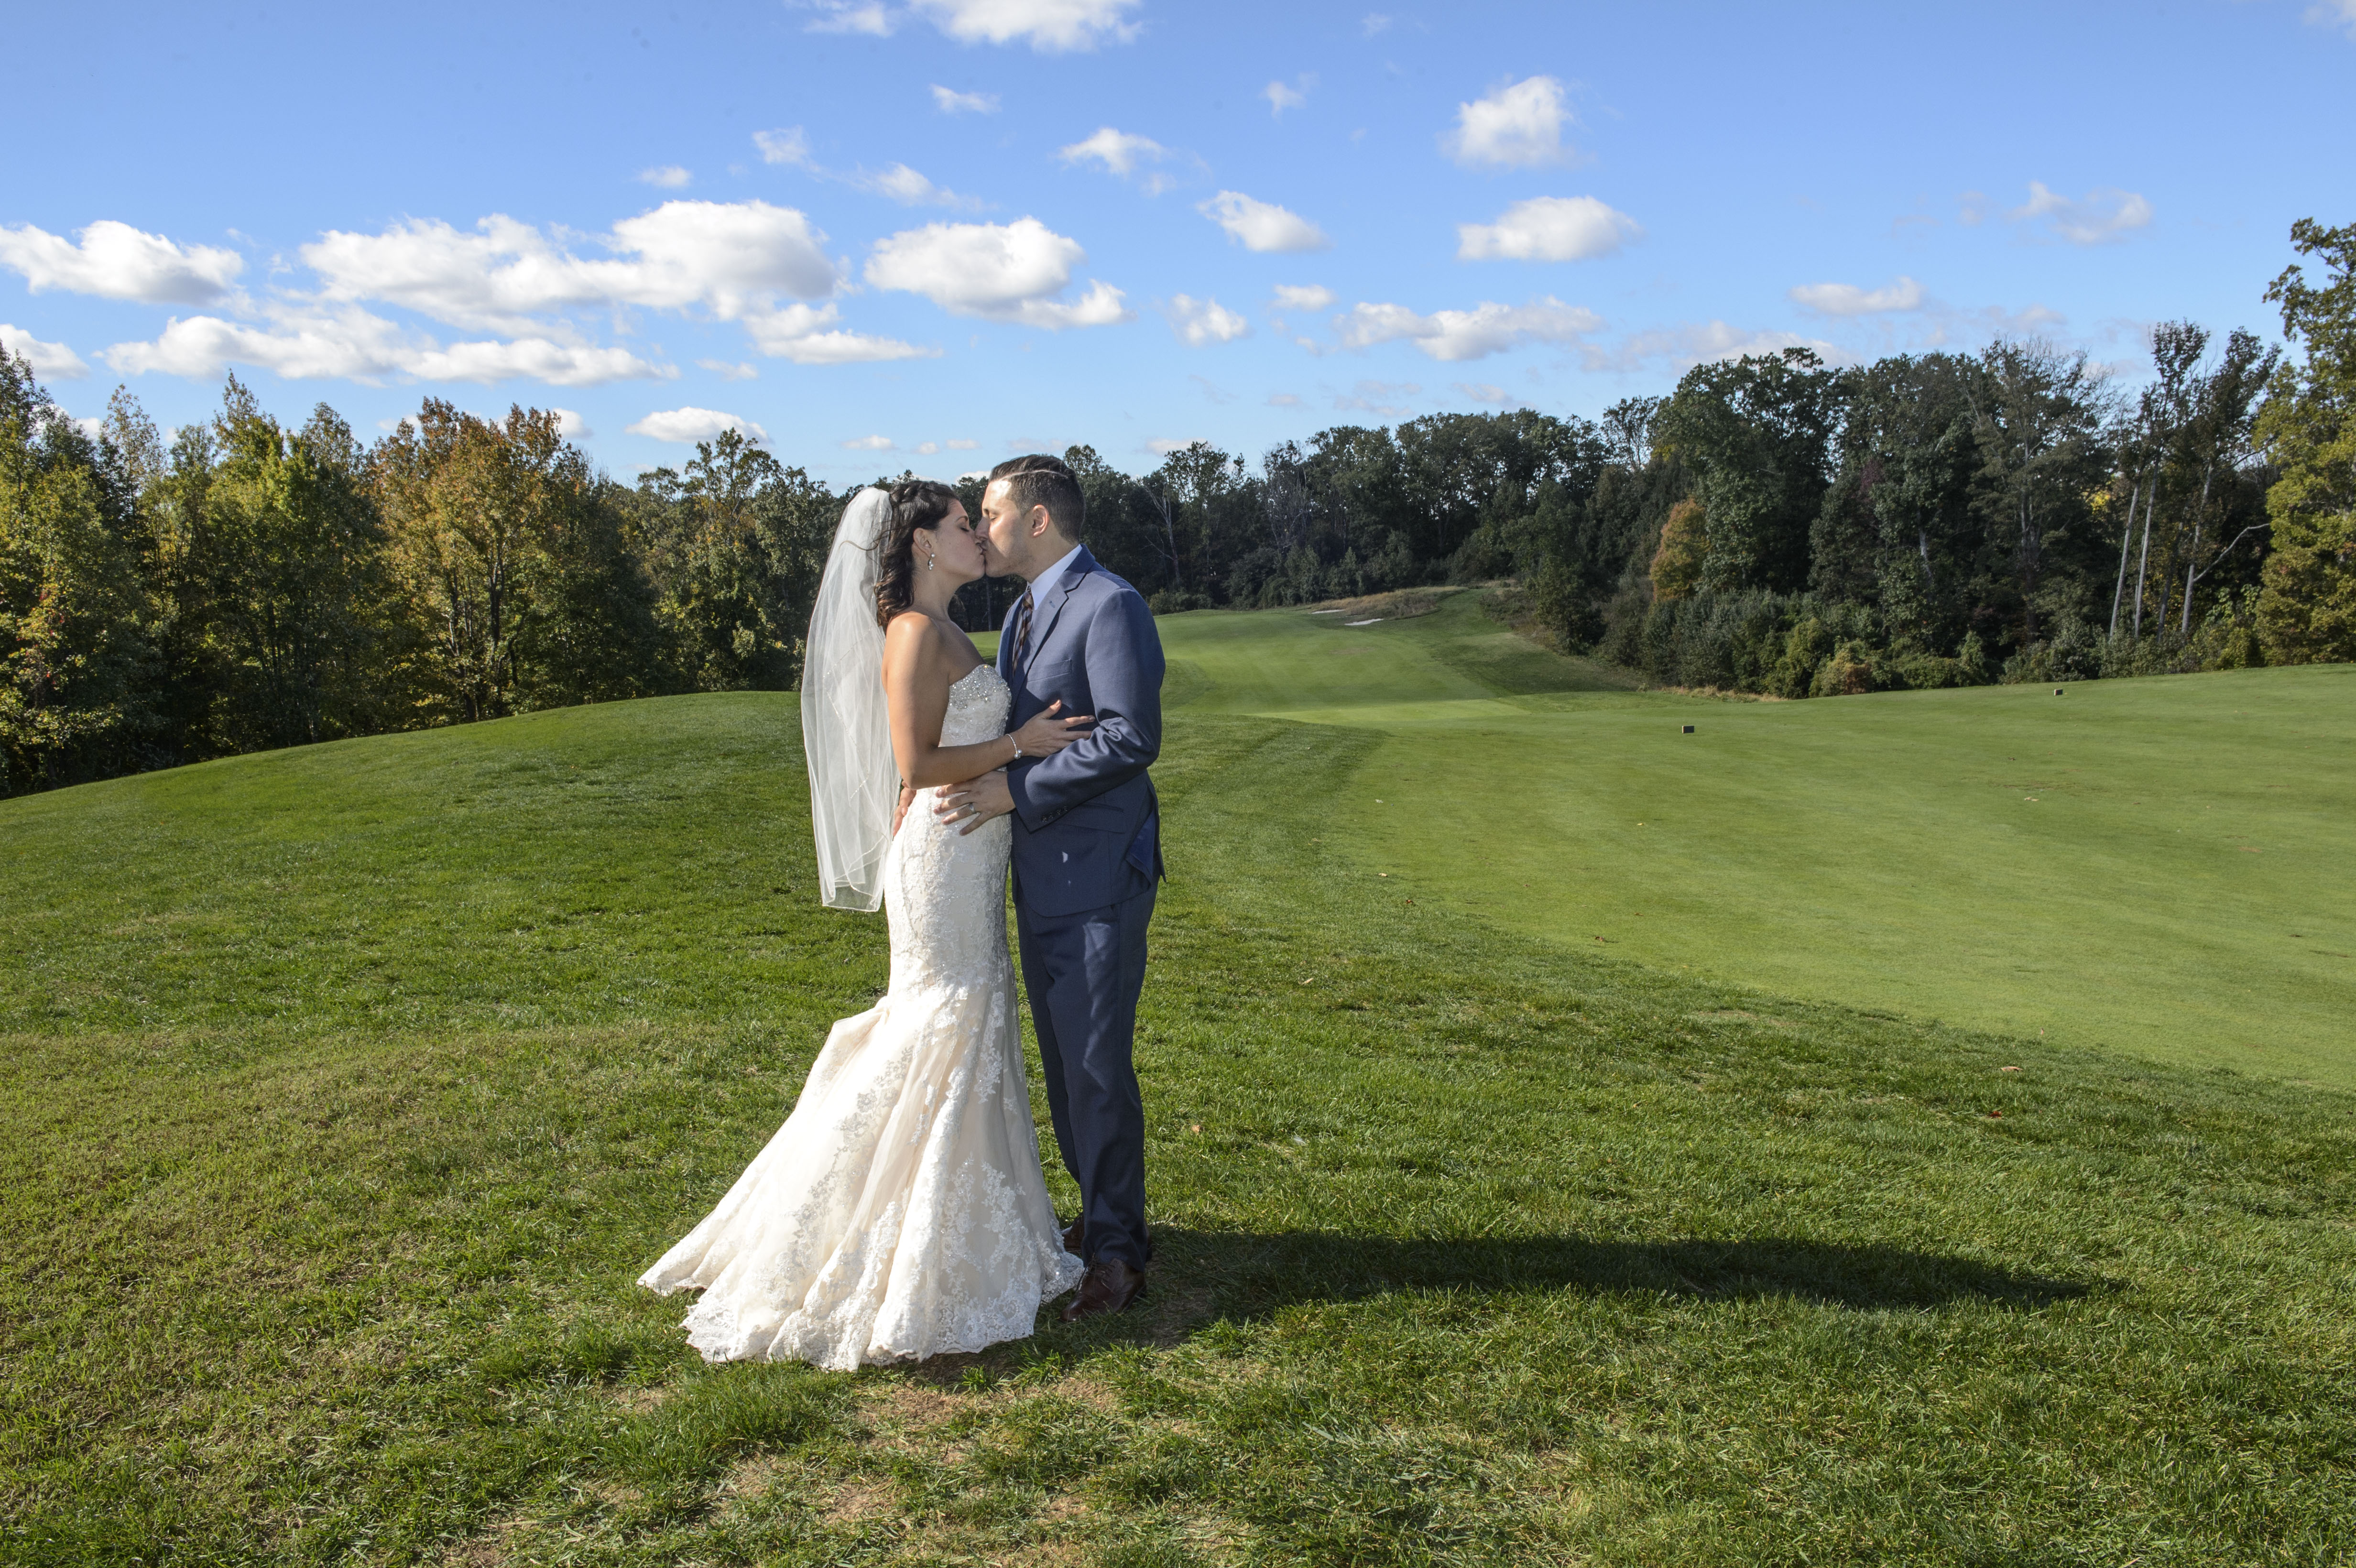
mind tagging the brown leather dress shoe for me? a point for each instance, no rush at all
(1072, 1237)
(1109, 1286)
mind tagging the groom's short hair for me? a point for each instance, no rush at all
(1039, 480)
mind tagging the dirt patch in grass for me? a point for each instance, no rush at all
(859, 1501)
(639, 1398)
(1400, 605)
(489, 1546)
(908, 1407)
(1098, 1397)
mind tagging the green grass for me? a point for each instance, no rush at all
(2156, 866)
(347, 1089)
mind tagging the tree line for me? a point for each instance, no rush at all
(254, 585)
(1775, 525)
(1772, 525)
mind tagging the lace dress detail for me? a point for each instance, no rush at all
(900, 1212)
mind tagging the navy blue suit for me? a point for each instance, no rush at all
(1088, 853)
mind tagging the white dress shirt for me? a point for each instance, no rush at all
(1045, 581)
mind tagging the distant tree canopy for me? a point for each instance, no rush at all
(1773, 525)
(2307, 428)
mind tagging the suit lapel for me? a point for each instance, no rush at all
(1043, 614)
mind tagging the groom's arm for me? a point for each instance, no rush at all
(1123, 659)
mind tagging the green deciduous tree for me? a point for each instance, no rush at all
(74, 662)
(2308, 428)
(296, 596)
(1676, 566)
(507, 553)
(734, 543)
(1755, 434)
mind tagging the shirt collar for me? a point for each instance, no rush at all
(1045, 583)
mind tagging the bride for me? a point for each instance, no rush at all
(900, 1211)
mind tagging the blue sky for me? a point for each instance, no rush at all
(928, 233)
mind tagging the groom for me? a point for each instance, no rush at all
(1088, 851)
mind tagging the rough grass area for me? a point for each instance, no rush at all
(349, 1088)
(2156, 866)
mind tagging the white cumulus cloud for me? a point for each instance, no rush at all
(671, 176)
(519, 285)
(743, 370)
(1001, 272)
(116, 262)
(1453, 335)
(784, 146)
(951, 102)
(692, 424)
(1198, 323)
(1519, 125)
(571, 425)
(1262, 225)
(1302, 296)
(1051, 27)
(724, 257)
(1692, 343)
(906, 186)
(1118, 151)
(353, 345)
(868, 443)
(1281, 98)
(2098, 217)
(1547, 229)
(807, 335)
(530, 359)
(52, 361)
(868, 17)
(1903, 293)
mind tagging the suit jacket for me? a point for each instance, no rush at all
(1086, 822)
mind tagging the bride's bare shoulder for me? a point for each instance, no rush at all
(917, 646)
(914, 634)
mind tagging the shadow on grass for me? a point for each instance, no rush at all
(1200, 1276)
(1231, 1273)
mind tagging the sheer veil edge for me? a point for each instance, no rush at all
(846, 726)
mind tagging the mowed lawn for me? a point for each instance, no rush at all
(2158, 866)
(344, 1090)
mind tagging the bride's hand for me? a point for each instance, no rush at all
(1046, 734)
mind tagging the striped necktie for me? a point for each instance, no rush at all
(1023, 637)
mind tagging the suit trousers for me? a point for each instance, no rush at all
(1083, 973)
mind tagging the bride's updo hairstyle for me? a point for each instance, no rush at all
(916, 503)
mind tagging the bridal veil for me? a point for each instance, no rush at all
(846, 727)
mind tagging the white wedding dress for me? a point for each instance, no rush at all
(900, 1212)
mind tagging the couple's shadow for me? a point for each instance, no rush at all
(1199, 1275)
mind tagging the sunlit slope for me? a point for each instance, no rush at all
(2161, 866)
(638, 861)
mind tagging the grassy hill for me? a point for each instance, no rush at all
(2158, 866)
(346, 1091)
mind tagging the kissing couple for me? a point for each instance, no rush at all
(901, 1211)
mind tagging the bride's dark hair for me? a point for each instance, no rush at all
(916, 503)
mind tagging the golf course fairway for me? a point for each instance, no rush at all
(2163, 866)
(347, 1089)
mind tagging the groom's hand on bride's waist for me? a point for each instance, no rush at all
(969, 805)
